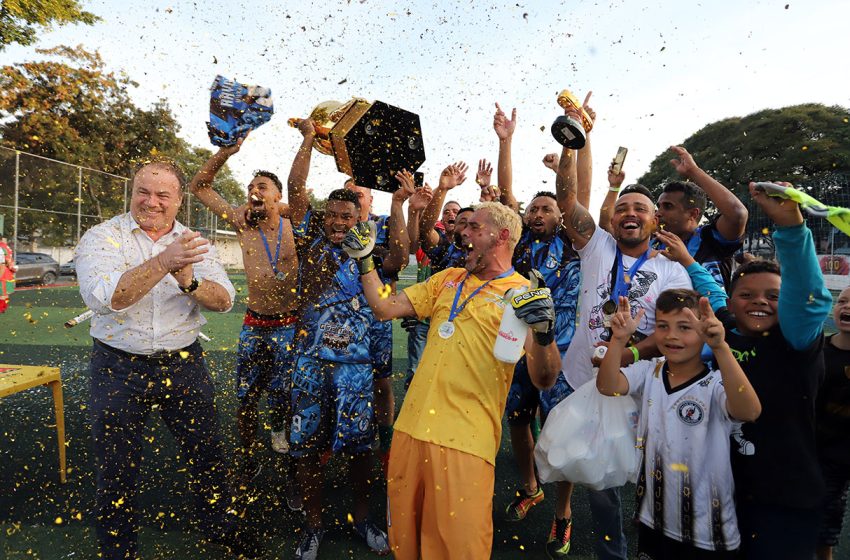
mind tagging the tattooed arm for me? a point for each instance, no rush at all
(577, 220)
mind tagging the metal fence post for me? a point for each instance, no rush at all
(17, 186)
(79, 200)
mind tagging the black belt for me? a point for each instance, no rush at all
(162, 355)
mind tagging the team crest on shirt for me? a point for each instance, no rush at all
(690, 412)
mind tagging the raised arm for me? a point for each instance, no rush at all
(804, 301)
(584, 165)
(733, 214)
(615, 181)
(415, 206)
(577, 220)
(385, 307)
(399, 241)
(504, 128)
(201, 184)
(451, 176)
(299, 201)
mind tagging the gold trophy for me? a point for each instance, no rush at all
(370, 142)
(567, 131)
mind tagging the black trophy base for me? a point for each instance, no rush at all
(569, 133)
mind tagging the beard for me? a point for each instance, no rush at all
(255, 216)
(475, 260)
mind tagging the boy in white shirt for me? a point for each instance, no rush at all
(685, 489)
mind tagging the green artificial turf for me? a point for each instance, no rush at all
(39, 518)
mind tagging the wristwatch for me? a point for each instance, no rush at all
(193, 285)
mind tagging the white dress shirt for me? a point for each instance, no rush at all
(163, 319)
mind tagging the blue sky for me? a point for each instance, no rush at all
(659, 71)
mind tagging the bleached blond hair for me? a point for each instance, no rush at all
(503, 218)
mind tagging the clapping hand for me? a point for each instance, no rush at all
(187, 249)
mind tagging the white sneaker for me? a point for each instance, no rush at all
(376, 539)
(280, 443)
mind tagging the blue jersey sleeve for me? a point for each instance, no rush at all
(707, 286)
(804, 301)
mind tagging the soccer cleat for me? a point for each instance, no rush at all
(280, 443)
(375, 538)
(518, 509)
(308, 549)
(558, 544)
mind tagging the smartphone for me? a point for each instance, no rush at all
(619, 159)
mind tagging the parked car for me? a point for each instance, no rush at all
(39, 268)
(68, 269)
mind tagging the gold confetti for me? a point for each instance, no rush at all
(349, 518)
(679, 467)
(765, 231)
(113, 242)
(167, 382)
(58, 521)
(184, 354)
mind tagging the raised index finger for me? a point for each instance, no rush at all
(587, 98)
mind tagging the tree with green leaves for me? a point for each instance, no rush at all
(68, 106)
(807, 145)
(20, 20)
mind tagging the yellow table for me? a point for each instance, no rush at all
(14, 379)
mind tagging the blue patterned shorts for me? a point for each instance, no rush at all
(263, 361)
(332, 407)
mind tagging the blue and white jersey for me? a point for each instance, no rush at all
(559, 264)
(334, 318)
(445, 254)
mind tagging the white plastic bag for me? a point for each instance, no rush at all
(589, 439)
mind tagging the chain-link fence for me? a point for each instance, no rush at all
(832, 245)
(46, 205)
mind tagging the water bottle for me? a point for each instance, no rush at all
(512, 332)
(599, 352)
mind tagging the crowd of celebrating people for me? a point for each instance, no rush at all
(743, 400)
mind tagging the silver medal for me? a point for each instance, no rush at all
(280, 276)
(446, 330)
(355, 304)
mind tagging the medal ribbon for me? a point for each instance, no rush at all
(455, 311)
(621, 287)
(273, 263)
